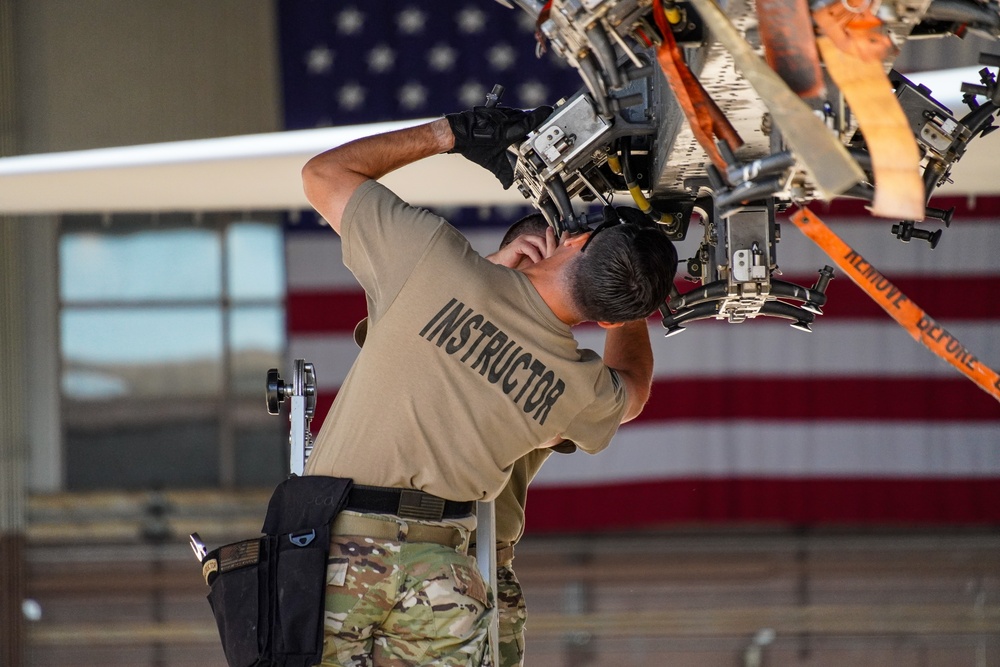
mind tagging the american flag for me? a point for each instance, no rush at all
(755, 423)
(345, 63)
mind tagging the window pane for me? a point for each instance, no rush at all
(149, 325)
(149, 456)
(154, 264)
(256, 341)
(262, 452)
(142, 352)
(255, 256)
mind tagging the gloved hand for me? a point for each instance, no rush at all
(482, 134)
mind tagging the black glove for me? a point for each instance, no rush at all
(483, 134)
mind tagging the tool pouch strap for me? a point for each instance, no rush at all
(267, 592)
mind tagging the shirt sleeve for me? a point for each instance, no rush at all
(383, 240)
(595, 425)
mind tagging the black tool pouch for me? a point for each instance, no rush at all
(267, 592)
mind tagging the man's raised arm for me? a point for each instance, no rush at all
(481, 135)
(330, 178)
(627, 350)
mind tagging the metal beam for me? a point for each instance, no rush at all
(251, 172)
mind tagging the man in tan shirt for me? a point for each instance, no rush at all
(526, 242)
(467, 367)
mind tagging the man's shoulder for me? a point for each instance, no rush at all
(375, 208)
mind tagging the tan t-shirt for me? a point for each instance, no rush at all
(464, 369)
(509, 505)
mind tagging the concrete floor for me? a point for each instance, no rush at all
(695, 598)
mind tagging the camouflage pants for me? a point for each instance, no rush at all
(400, 604)
(510, 605)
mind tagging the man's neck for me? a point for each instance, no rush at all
(548, 280)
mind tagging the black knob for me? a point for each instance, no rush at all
(944, 215)
(825, 276)
(275, 392)
(906, 230)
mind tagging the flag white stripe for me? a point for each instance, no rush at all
(967, 248)
(652, 451)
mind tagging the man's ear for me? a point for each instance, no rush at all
(610, 325)
(575, 240)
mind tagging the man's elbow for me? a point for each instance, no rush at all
(322, 184)
(327, 188)
(638, 395)
(632, 411)
(314, 174)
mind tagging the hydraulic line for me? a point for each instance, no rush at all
(802, 318)
(551, 214)
(979, 118)
(755, 190)
(765, 166)
(595, 83)
(786, 290)
(702, 311)
(605, 54)
(718, 290)
(955, 11)
(710, 292)
(977, 121)
(558, 190)
(624, 168)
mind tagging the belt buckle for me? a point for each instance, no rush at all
(415, 504)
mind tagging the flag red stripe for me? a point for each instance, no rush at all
(801, 501)
(965, 298)
(965, 208)
(917, 399)
(325, 311)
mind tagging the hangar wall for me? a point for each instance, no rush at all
(89, 74)
(93, 73)
(98, 73)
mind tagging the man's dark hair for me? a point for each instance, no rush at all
(533, 223)
(625, 273)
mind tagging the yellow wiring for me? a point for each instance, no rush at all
(645, 206)
(639, 198)
(615, 165)
(673, 14)
(633, 188)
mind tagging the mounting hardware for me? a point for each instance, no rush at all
(944, 215)
(819, 289)
(906, 230)
(302, 395)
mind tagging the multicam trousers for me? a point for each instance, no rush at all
(400, 604)
(510, 605)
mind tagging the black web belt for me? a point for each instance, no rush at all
(406, 503)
